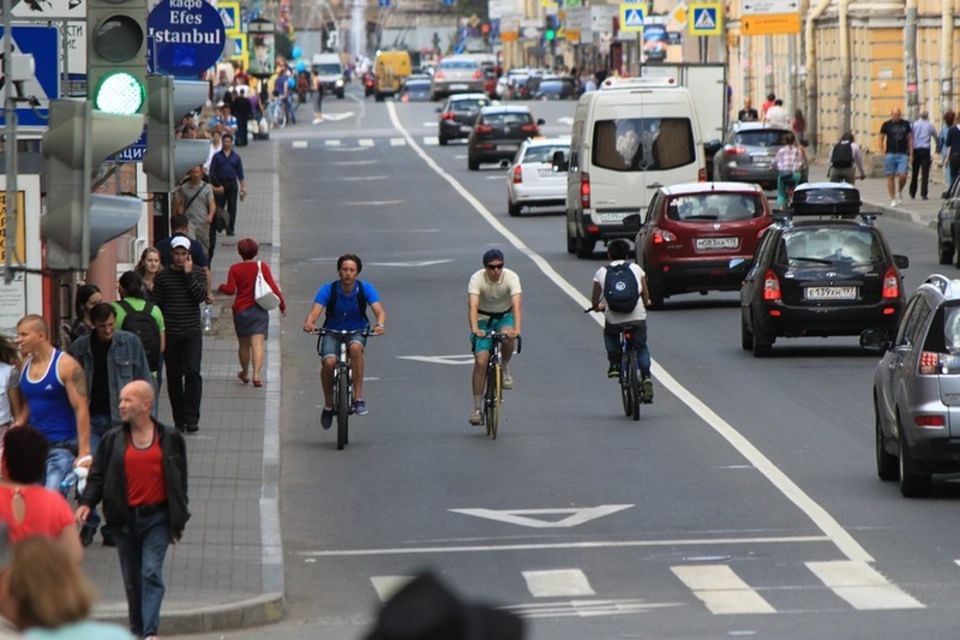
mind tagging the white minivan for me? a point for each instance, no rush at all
(629, 138)
(329, 71)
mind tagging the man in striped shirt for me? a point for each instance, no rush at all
(179, 291)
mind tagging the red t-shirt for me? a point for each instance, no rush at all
(46, 513)
(241, 280)
(146, 483)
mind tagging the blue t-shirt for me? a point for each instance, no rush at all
(347, 310)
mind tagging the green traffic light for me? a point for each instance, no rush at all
(120, 93)
(551, 34)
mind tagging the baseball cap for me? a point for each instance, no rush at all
(181, 242)
(491, 255)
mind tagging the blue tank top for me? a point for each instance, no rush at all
(50, 409)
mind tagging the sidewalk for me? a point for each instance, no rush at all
(227, 572)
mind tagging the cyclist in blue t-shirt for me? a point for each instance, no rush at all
(346, 307)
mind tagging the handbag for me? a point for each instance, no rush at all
(221, 219)
(263, 294)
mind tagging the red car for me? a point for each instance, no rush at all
(701, 236)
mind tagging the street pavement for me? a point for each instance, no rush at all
(227, 571)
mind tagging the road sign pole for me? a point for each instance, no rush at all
(9, 142)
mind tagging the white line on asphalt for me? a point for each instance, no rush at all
(575, 516)
(721, 590)
(497, 177)
(365, 142)
(398, 142)
(332, 143)
(430, 124)
(460, 156)
(386, 586)
(430, 141)
(299, 144)
(862, 586)
(820, 517)
(359, 178)
(598, 544)
(354, 163)
(558, 583)
(587, 608)
(372, 203)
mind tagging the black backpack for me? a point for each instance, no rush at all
(842, 155)
(142, 324)
(621, 290)
(331, 307)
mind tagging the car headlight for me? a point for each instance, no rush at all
(339, 82)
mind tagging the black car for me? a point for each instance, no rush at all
(824, 271)
(497, 134)
(556, 88)
(458, 114)
(948, 225)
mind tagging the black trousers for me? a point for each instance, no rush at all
(242, 130)
(231, 189)
(921, 163)
(184, 384)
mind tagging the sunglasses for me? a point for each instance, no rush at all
(495, 266)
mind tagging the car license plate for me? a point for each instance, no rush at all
(507, 147)
(830, 293)
(610, 218)
(708, 244)
(466, 129)
(458, 87)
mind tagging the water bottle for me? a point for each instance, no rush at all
(69, 482)
(207, 318)
(81, 475)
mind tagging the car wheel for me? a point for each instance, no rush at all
(656, 297)
(746, 336)
(472, 164)
(912, 485)
(378, 96)
(584, 248)
(443, 141)
(514, 209)
(946, 253)
(887, 464)
(761, 343)
(571, 242)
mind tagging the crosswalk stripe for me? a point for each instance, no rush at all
(332, 143)
(862, 586)
(398, 142)
(558, 583)
(365, 142)
(431, 141)
(386, 586)
(299, 144)
(721, 590)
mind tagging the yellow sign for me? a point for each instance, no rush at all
(572, 35)
(550, 4)
(21, 224)
(632, 17)
(705, 19)
(770, 25)
(679, 14)
(509, 36)
(230, 14)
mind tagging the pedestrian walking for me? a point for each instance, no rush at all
(54, 390)
(318, 88)
(799, 126)
(138, 315)
(249, 319)
(11, 400)
(243, 111)
(180, 228)
(87, 296)
(179, 291)
(923, 135)
(896, 142)
(26, 507)
(748, 113)
(948, 120)
(769, 102)
(147, 268)
(226, 169)
(111, 359)
(140, 475)
(216, 144)
(194, 200)
(846, 161)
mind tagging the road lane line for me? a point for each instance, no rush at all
(430, 141)
(721, 590)
(862, 586)
(332, 143)
(398, 142)
(558, 583)
(299, 144)
(844, 541)
(386, 586)
(365, 142)
(549, 546)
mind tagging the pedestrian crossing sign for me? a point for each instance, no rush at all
(632, 16)
(705, 19)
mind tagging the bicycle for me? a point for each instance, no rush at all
(628, 376)
(493, 384)
(342, 393)
(276, 113)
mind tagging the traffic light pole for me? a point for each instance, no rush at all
(9, 143)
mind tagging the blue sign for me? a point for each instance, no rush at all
(384, 3)
(44, 44)
(133, 153)
(184, 38)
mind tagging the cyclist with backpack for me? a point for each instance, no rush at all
(345, 302)
(846, 161)
(620, 290)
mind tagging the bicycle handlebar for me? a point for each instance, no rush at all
(499, 336)
(320, 331)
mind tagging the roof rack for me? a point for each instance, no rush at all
(642, 82)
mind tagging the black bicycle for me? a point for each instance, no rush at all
(493, 384)
(342, 391)
(631, 387)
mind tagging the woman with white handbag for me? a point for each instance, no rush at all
(256, 294)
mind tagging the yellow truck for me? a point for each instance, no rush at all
(390, 69)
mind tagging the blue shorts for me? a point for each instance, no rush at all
(330, 346)
(895, 164)
(487, 325)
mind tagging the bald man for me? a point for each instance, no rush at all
(896, 142)
(140, 473)
(54, 388)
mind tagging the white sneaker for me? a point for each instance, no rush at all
(894, 202)
(475, 418)
(507, 380)
(317, 120)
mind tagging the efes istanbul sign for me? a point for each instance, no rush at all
(184, 37)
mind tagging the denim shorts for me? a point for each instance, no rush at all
(330, 346)
(487, 325)
(895, 164)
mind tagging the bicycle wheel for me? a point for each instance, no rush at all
(634, 377)
(625, 395)
(492, 400)
(343, 408)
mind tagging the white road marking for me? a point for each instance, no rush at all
(355, 163)
(332, 143)
(558, 583)
(365, 142)
(567, 120)
(844, 541)
(862, 586)
(597, 544)
(415, 263)
(498, 177)
(336, 117)
(587, 608)
(386, 586)
(721, 590)
(456, 359)
(371, 203)
(430, 141)
(432, 123)
(521, 517)
(359, 178)
(398, 142)
(460, 156)
(299, 144)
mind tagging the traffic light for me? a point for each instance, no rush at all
(117, 55)
(78, 139)
(550, 29)
(168, 157)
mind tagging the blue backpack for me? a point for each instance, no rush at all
(621, 290)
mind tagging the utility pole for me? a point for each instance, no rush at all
(9, 143)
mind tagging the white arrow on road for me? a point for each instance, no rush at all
(575, 516)
(417, 263)
(454, 359)
(336, 117)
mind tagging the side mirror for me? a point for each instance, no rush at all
(944, 195)
(902, 262)
(541, 122)
(559, 162)
(875, 340)
(504, 164)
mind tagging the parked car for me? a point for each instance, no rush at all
(538, 176)
(457, 75)
(556, 88)
(700, 236)
(498, 133)
(748, 155)
(458, 114)
(948, 225)
(916, 389)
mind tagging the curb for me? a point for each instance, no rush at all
(902, 214)
(263, 609)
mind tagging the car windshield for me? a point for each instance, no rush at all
(459, 65)
(831, 245)
(417, 85)
(544, 153)
(331, 69)
(507, 118)
(714, 207)
(761, 138)
(469, 104)
(643, 144)
(554, 86)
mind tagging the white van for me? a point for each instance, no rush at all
(629, 138)
(329, 71)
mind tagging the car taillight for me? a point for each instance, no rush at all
(771, 287)
(933, 363)
(483, 128)
(447, 115)
(891, 284)
(530, 128)
(477, 75)
(731, 150)
(930, 422)
(518, 174)
(584, 191)
(701, 175)
(663, 236)
(439, 75)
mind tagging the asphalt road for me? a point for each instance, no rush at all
(744, 503)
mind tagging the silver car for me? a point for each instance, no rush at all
(916, 389)
(748, 156)
(457, 75)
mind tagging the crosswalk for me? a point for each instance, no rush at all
(716, 587)
(360, 143)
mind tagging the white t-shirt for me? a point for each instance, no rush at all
(778, 117)
(495, 297)
(615, 317)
